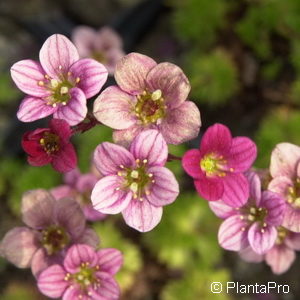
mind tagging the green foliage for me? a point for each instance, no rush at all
(110, 237)
(18, 290)
(213, 77)
(8, 92)
(280, 125)
(295, 91)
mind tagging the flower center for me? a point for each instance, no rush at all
(50, 142)
(257, 214)
(293, 196)
(54, 239)
(282, 234)
(213, 165)
(150, 107)
(137, 180)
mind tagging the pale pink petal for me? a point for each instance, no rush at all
(112, 57)
(38, 208)
(51, 281)
(71, 177)
(211, 189)
(19, 245)
(280, 258)
(108, 289)
(75, 110)
(254, 187)
(131, 72)
(150, 145)
(84, 38)
(181, 124)
(28, 75)
(109, 158)
(292, 240)
(172, 82)
(142, 215)
(236, 189)
(115, 108)
(291, 219)
(221, 209)
(108, 195)
(62, 191)
(217, 139)
(32, 109)
(89, 237)
(280, 185)
(57, 55)
(233, 234)
(86, 182)
(92, 75)
(73, 292)
(79, 254)
(284, 160)
(108, 38)
(110, 260)
(165, 189)
(261, 239)
(125, 137)
(191, 163)
(249, 255)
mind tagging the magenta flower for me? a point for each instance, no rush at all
(51, 145)
(85, 274)
(254, 223)
(135, 182)
(59, 84)
(79, 186)
(53, 226)
(104, 45)
(285, 170)
(148, 96)
(217, 167)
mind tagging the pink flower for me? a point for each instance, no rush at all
(51, 145)
(79, 186)
(148, 96)
(285, 170)
(84, 274)
(217, 167)
(254, 223)
(53, 226)
(104, 45)
(59, 84)
(135, 182)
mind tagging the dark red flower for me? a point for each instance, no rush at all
(51, 145)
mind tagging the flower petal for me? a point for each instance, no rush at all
(292, 240)
(181, 124)
(40, 160)
(236, 189)
(249, 255)
(32, 109)
(61, 128)
(109, 158)
(216, 139)
(221, 209)
(280, 258)
(92, 75)
(73, 292)
(142, 215)
(165, 189)
(57, 55)
(65, 160)
(51, 281)
(291, 219)
(233, 234)
(108, 196)
(131, 72)
(211, 189)
(242, 154)
(191, 163)
(19, 245)
(254, 187)
(27, 74)
(261, 239)
(109, 288)
(89, 237)
(75, 110)
(38, 208)
(150, 145)
(172, 82)
(83, 38)
(284, 160)
(125, 137)
(280, 185)
(110, 260)
(115, 108)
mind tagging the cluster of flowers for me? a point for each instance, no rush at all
(148, 109)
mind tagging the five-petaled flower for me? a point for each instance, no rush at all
(285, 170)
(254, 223)
(217, 167)
(135, 182)
(51, 145)
(148, 96)
(84, 274)
(60, 84)
(53, 226)
(103, 45)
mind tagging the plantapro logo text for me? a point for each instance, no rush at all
(271, 286)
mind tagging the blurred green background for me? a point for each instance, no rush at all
(243, 61)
